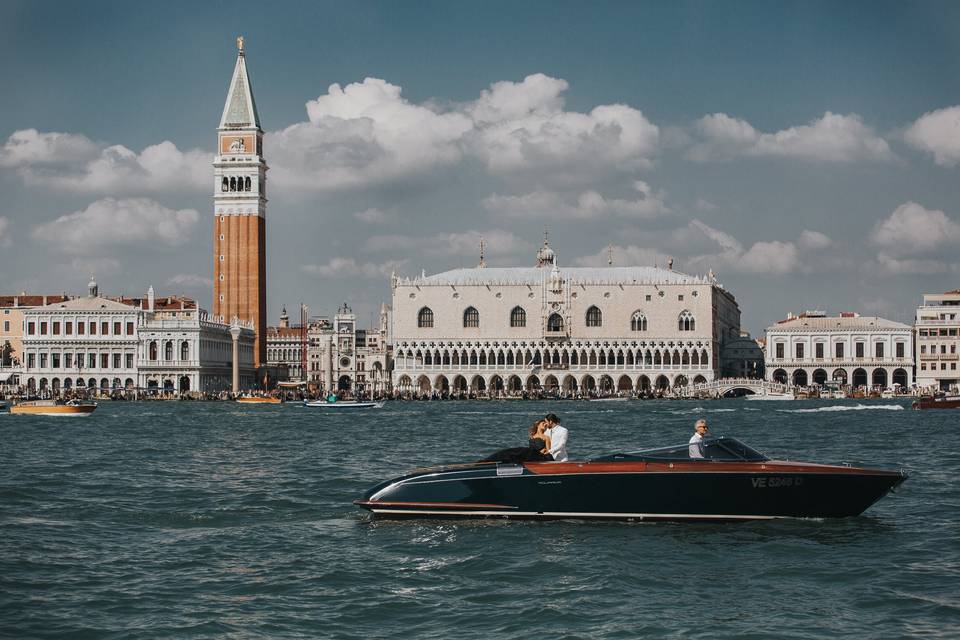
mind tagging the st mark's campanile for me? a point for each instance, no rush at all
(240, 209)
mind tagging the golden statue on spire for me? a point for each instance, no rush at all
(240, 44)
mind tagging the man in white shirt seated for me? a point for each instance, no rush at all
(696, 446)
(558, 438)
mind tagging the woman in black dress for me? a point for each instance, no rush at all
(535, 451)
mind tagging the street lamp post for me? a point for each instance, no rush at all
(235, 334)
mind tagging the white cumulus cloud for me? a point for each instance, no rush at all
(586, 205)
(937, 132)
(911, 228)
(831, 138)
(371, 216)
(496, 242)
(348, 268)
(72, 162)
(190, 281)
(138, 222)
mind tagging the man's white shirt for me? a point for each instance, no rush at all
(558, 443)
(695, 446)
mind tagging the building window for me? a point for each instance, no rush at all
(31, 328)
(31, 360)
(184, 350)
(686, 322)
(638, 321)
(648, 297)
(800, 351)
(425, 318)
(104, 360)
(43, 328)
(900, 349)
(818, 350)
(518, 317)
(839, 350)
(116, 329)
(43, 361)
(91, 361)
(594, 317)
(779, 351)
(471, 318)
(153, 350)
(56, 328)
(859, 349)
(93, 328)
(68, 328)
(6, 325)
(68, 361)
(116, 361)
(879, 349)
(55, 361)
(923, 348)
(555, 322)
(168, 350)
(129, 361)
(104, 328)
(81, 328)
(129, 328)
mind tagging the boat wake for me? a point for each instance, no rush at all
(844, 407)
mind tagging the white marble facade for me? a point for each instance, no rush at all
(613, 329)
(849, 349)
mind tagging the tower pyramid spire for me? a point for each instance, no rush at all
(240, 109)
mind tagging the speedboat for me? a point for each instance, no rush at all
(771, 396)
(342, 404)
(53, 408)
(937, 402)
(730, 482)
(258, 400)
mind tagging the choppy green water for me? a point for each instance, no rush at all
(216, 520)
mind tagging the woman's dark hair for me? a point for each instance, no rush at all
(552, 417)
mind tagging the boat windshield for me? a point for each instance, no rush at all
(721, 448)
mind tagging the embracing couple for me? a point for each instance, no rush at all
(548, 443)
(549, 437)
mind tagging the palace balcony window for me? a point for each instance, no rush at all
(129, 328)
(800, 351)
(129, 361)
(555, 323)
(686, 322)
(425, 318)
(879, 349)
(858, 349)
(518, 317)
(43, 328)
(184, 350)
(81, 328)
(818, 351)
(116, 361)
(168, 350)
(104, 360)
(839, 350)
(104, 328)
(638, 321)
(31, 328)
(68, 328)
(43, 361)
(779, 351)
(153, 350)
(93, 328)
(56, 328)
(31, 360)
(116, 328)
(594, 317)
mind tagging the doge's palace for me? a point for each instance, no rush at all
(552, 328)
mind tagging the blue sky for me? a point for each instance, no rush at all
(806, 152)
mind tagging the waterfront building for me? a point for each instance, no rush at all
(163, 344)
(240, 208)
(849, 349)
(182, 350)
(345, 359)
(11, 330)
(80, 343)
(286, 348)
(936, 330)
(569, 329)
(742, 357)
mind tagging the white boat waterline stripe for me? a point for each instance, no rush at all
(578, 514)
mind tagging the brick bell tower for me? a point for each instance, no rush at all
(240, 209)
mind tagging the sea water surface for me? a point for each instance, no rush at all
(216, 520)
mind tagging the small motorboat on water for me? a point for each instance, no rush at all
(771, 396)
(611, 399)
(258, 400)
(342, 404)
(937, 402)
(53, 408)
(730, 482)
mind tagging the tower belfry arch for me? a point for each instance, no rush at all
(240, 208)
